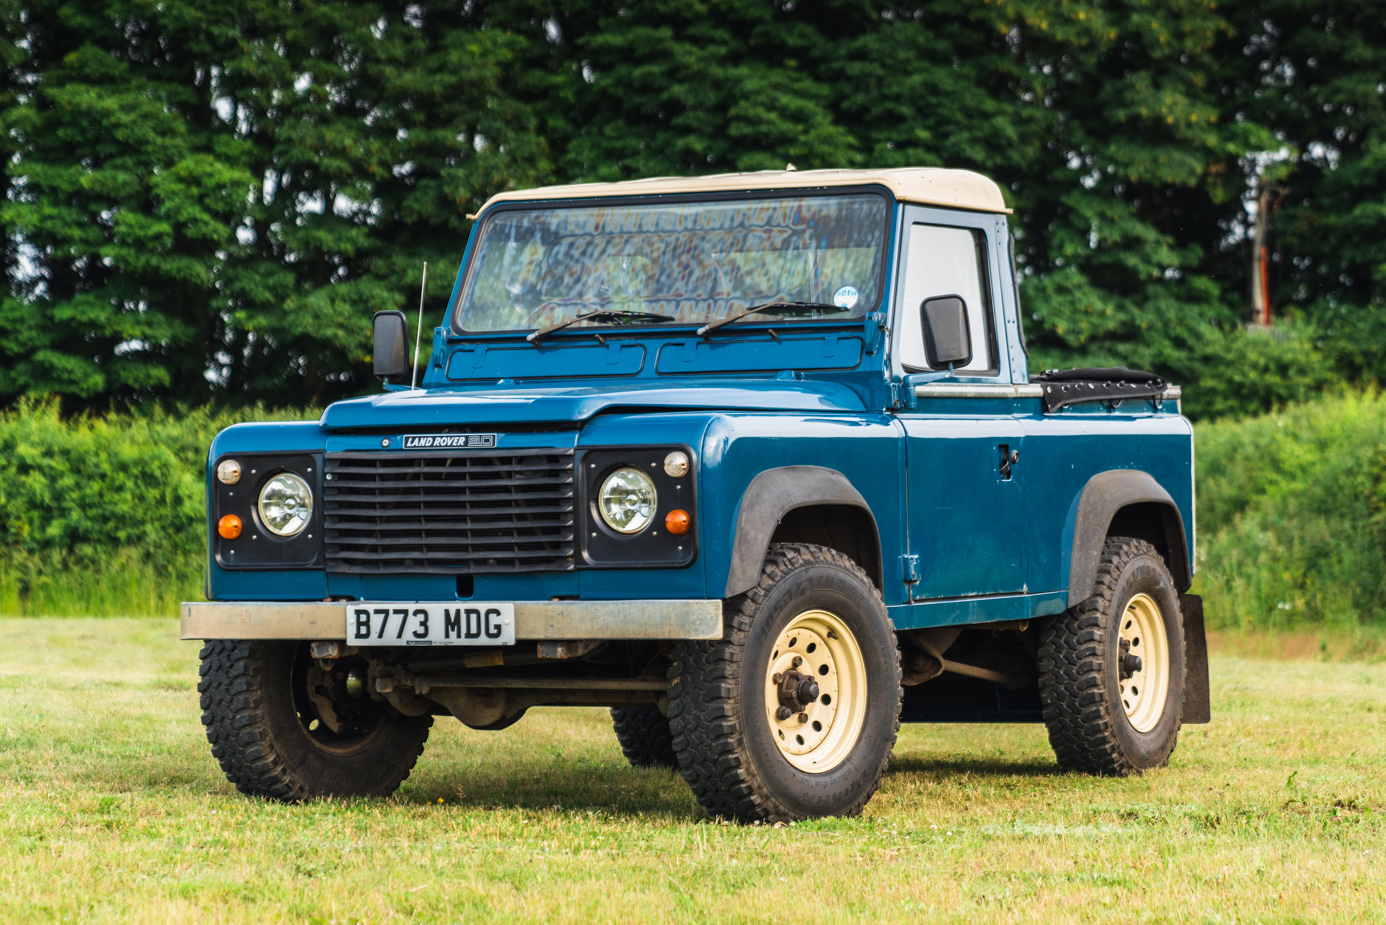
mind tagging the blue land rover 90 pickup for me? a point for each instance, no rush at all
(754, 461)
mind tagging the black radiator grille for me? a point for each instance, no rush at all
(449, 512)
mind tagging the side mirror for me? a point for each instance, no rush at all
(391, 348)
(947, 338)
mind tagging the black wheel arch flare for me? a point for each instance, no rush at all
(1128, 502)
(773, 494)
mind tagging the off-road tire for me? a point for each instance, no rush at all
(645, 737)
(253, 725)
(717, 701)
(1078, 666)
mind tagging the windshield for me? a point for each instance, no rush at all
(693, 261)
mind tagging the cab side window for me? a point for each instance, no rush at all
(941, 261)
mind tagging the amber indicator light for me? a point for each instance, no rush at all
(230, 526)
(676, 522)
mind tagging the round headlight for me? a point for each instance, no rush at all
(627, 500)
(286, 504)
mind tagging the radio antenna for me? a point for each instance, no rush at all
(418, 335)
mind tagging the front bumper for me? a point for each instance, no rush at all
(534, 620)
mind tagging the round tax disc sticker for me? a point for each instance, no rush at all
(845, 297)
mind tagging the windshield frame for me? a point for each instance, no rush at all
(472, 266)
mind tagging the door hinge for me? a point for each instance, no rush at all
(875, 331)
(901, 395)
(909, 569)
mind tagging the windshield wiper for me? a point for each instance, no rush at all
(783, 308)
(605, 316)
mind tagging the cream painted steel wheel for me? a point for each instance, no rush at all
(815, 692)
(813, 741)
(1111, 667)
(1144, 691)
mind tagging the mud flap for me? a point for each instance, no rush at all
(1197, 703)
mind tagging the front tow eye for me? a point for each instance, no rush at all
(796, 691)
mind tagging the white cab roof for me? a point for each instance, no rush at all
(935, 186)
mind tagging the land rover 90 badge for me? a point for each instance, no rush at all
(448, 441)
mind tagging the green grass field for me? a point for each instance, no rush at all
(112, 809)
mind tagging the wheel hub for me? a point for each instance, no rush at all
(815, 691)
(796, 691)
(1129, 664)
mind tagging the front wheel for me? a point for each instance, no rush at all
(284, 728)
(1112, 668)
(794, 712)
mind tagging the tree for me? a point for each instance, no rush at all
(212, 198)
(1313, 71)
(118, 210)
(207, 201)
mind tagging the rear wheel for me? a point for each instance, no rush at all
(283, 727)
(645, 737)
(1112, 668)
(794, 712)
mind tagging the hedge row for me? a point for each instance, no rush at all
(104, 515)
(1292, 516)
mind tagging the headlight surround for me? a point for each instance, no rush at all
(286, 504)
(628, 500)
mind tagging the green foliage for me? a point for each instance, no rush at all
(1292, 516)
(105, 515)
(1315, 76)
(206, 200)
(1233, 371)
(210, 199)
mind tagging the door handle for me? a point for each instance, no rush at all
(1009, 457)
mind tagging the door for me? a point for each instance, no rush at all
(964, 452)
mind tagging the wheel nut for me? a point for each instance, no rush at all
(803, 717)
(798, 661)
(776, 678)
(783, 713)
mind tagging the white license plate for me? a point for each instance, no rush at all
(373, 624)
